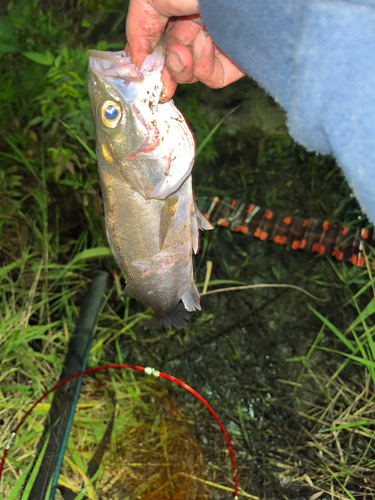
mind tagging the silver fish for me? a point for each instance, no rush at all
(145, 153)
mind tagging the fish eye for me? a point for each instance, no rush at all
(110, 113)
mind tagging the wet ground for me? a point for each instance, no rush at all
(235, 353)
(237, 357)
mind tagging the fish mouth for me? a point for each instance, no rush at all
(118, 64)
(115, 65)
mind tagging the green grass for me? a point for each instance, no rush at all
(51, 222)
(48, 176)
(342, 428)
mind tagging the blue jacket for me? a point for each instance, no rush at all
(317, 59)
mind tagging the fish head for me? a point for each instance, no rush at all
(124, 100)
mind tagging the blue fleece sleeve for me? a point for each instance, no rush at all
(317, 59)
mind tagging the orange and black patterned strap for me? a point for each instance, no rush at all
(310, 235)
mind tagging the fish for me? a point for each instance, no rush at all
(145, 153)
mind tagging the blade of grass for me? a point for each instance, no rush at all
(265, 285)
(81, 141)
(20, 157)
(209, 136)
(365, 362)
(334, 330)
(208, 275)
(341, 485)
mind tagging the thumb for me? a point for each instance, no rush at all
(144, 28)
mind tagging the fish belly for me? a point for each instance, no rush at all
(158, 277)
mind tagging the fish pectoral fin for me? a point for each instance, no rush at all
(131, 176)
(198, 221)
(167, 217)
(191, 298)
(136, 185)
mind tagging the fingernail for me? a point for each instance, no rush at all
(198, 46)
(175, 63)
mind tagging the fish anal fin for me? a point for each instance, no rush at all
(191, 298)
(167, 217)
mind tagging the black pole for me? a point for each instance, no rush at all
(65, 397)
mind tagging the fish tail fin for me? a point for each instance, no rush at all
(177, 317)
(180, 314)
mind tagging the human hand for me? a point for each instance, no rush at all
(191, 52)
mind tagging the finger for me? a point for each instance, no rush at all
(171, 8)
(180, 64)
(169, 85)
(225, 72)
(204, 56)
(179, 59)
(211, 66)
(178, 69)
(144, 28)
(147, 20)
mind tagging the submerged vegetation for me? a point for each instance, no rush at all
(293, 379)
